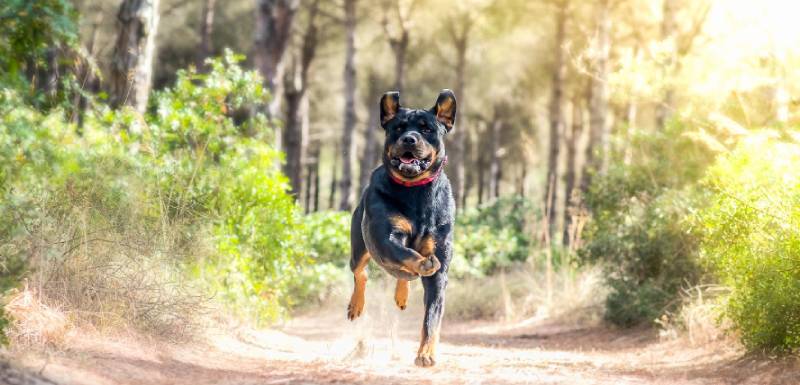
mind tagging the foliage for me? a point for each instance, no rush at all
(327, 236)
(137, 205)
(491, 236)
(640, 230)
(753, 238)
(30, 33)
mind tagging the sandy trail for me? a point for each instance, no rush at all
(379, 348)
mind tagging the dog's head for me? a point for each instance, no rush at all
(414, 147)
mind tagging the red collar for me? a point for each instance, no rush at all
(420, 182)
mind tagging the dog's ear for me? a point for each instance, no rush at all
(445, 109)
(390, 105)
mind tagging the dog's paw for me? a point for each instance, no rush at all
(354, 309)
(429, 266)
(424, 360)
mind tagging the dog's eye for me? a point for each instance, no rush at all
(425, 129)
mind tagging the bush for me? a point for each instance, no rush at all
(753, 239)
(491, 236)
(133, 220)
(641, 230)
(33, 31)
(327, 235)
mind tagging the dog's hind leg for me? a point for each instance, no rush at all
(359, 258)
(401, 293)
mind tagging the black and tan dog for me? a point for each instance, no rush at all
(404, 220)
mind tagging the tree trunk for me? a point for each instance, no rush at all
(307, 187)
(398, 43)
(312, 180)
(206, 31)
(522, 178)
(556, 118)
(296, 125)
(572, 197)
(316, 178)
(86, 76)
(334, 181)
(295, 133)
(134, 51)
(494, 153)
(460, 40)
(481, 172)
(274, 19)
(348, 142)
(598, 98)
(370, 156)
(400, 67)
(668, 28)
(631, 112)
(469, 179)
(498, 178)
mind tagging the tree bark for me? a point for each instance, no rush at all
(481, 172)
(460, 29)
(312, 180)
(370, 156)
(274, 19)
(522, 178)
(348, 142)
(206, 31)
(494, 153)
(572, 197)
(556, 118)
(598, 98)
(295, 133)
(398, 42)
(296, 125)
(134, 51)
(315, 154)
(668, 29)
(334, 181)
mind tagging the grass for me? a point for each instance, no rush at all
(520, 292)
(104, 265)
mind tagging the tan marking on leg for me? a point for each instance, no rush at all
(426, 246)
(426, 355)
(400, 223)
(426, 263)
(356, 306)
(401, 293)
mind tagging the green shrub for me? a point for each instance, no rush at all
(31, 31)
(327, 235)
(222, 170)
(753, 239)
(491, 236)
(140, 215)
(640, 231)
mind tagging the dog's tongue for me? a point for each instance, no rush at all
(406, 159)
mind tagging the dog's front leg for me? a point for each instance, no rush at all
(390, 238)
(434, 286)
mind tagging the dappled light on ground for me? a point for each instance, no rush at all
(379, 348)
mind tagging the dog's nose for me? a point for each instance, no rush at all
(409, 140)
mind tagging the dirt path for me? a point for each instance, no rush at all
(328, 349)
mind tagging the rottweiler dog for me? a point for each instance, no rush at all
(404, 220)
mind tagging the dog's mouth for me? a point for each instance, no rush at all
(410, 164)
